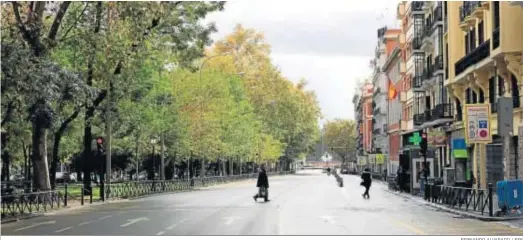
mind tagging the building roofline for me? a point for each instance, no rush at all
(393, 56)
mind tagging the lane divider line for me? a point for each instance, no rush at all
(63, 229)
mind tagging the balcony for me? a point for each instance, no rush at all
(438, 64)
(437, 16)
(417, 83)
(442, 111)
(495, 38)
(474, 57)
(416, 7)
(416, 43)
(419, 119)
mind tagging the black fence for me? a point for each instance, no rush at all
(22, 204)
(466, 199)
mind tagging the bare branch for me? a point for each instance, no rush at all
(75, 22)
(58, 20)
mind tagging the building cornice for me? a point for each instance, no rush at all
(393, 56)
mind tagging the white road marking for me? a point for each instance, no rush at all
(329, 219)
(160, 233)
(85, 223)
(63, 229)
(133, 221)
(36, 225)
(231, 219)
(176, 224)
(108, 216)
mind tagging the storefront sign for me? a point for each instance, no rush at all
(459, 148)
(437, 138)
(380, 158)
(477, 123)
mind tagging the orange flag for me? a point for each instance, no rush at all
(392, 90)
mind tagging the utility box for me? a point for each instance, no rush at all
(509, 194)
(449, 176)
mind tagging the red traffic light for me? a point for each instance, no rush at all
(100, 140)
(424, 135)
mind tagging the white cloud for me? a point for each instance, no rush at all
(329, 43)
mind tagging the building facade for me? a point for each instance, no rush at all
(485, 43)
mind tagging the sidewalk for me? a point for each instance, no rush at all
(467, 214)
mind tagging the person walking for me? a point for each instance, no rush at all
(262, 185)
(422, 178)
(366, 182)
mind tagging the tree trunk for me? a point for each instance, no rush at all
(87, 156)
(41, 169)
(6, 162)
(56, 159)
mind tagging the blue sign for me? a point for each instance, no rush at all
(459, 143)
(482, 124)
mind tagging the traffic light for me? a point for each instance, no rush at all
(423, 144)
(100, 145)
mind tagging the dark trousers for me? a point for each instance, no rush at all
(366, 193)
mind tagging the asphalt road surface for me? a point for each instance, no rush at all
(309, 203)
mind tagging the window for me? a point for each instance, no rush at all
(467, 46)
(472, 39)
(481, 34)
(515, 92)
(496, 14)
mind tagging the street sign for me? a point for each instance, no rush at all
(415, 139)
(477, 123)
(505, 116)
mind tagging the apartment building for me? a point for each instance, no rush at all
(394, 68)
(363, 112)
(483, 54)
(416, 101)
(387, 40)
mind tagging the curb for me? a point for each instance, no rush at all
(457, 212)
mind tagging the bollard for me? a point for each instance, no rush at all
(82, 196)
(91, 196)
(102, 193)
(65, 196)
(490, 203)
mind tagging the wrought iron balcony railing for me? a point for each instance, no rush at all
(417, 81)
(437, 15)
(427, 116)
(441, 111)
(474, 57)
(417, 42)
(416, 6)
(419, 119)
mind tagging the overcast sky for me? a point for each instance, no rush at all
(329, 43)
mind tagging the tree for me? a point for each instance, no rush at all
(340, 135)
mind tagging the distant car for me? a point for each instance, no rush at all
(345, 171)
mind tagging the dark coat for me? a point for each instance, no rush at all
(366, 179)
(263, 181)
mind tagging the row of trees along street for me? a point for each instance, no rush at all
(69, 68)
(341, 137)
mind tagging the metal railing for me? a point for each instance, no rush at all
(442, 110)
(417, 81)
(466, 199)
(21, 204)
(474, 57)
(419, 119)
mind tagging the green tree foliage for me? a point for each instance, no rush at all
(340, 135)
(60, 61)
